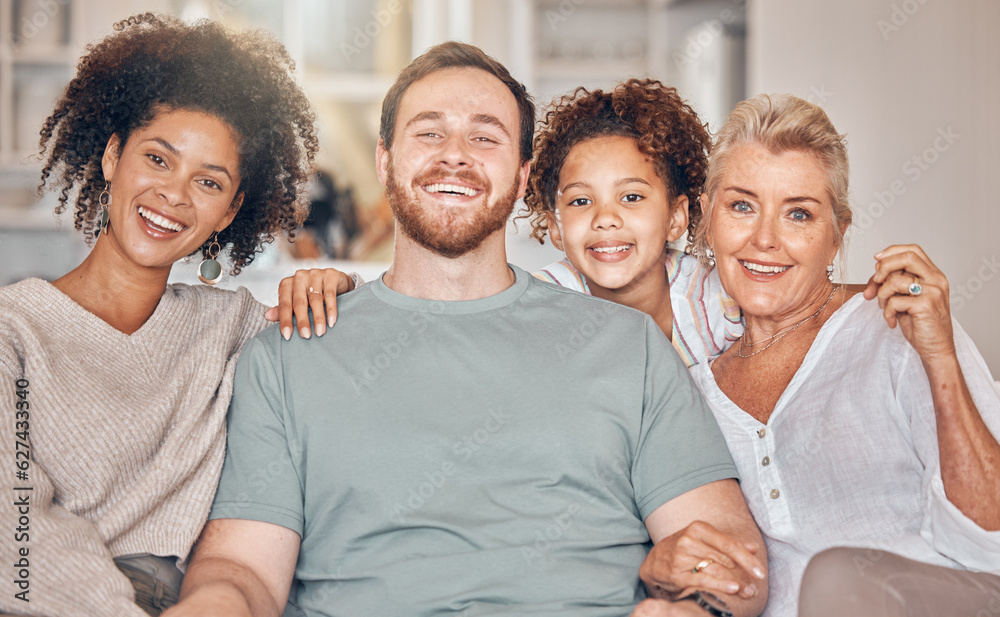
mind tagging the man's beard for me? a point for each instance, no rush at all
(449, 231)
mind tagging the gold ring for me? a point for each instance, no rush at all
(704, 563)
(313, 291)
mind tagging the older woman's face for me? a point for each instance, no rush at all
(773, 231)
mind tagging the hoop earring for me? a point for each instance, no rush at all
(105, 200)
(210, 270)
(710, 256)
(829, 273)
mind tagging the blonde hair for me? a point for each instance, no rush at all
(779, 122)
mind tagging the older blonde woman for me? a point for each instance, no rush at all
(855, 419)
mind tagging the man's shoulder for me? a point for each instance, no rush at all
(565, 303)
(540, 289)
(357, 310)
(547, 311)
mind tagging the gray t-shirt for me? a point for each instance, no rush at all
(486, 457)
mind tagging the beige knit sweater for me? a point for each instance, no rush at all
(127, 438)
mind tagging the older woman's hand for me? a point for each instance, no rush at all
(913, 292)
(969, 453)
(701, 557)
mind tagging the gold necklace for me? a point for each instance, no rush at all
(777, 336)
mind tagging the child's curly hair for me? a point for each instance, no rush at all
(664, 127)
(155, 63)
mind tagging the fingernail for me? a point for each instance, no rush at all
(750, 590)
(286, 333)
(878, 255)
(758, 573)
(330, 320)
(732, 587)
(320, 329)
(304, 332)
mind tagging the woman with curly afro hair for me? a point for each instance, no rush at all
(172, 139)
(616, 177)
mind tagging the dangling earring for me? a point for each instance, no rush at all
(210, 270)
(710, 255)
(105, 200)
(829, 272)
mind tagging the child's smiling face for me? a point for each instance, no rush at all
(613, 215)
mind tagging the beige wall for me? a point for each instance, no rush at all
(915, 84)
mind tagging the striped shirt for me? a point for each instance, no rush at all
(706, 320)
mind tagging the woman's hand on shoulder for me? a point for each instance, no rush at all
(315, 289)
(914, 294)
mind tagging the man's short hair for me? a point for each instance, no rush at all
(457, 55)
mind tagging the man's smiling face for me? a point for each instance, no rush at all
(454, 171)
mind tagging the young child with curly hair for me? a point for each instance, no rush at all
(616, 177)
(171, 140)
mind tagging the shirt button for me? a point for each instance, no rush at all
(766, 461)
(775, 493)
(762, 432)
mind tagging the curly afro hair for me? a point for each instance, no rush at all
(664, 127)
(155, 63)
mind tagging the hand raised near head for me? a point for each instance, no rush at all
(913, 293)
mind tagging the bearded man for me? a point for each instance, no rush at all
(466, 439)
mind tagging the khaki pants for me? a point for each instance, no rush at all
(858, 582)
(156, 580)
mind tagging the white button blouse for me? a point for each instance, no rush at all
(849, 456)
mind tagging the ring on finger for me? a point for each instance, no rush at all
(915, 287)
(313, 291)
(704, 563)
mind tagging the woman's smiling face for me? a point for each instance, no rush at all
(174, 183)
(773, 230)
(613, 214)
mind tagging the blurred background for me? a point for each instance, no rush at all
(913, 83)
